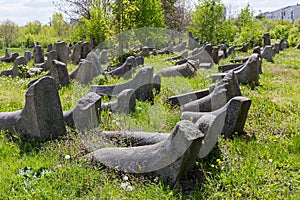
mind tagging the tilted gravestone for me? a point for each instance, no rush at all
(236, 114)
(145, 51)
(38, 54)
(15, 70)
(62, 51)
(125, 103)
(143, 84)
(247, 73)
(50, 47)
(76, 54)
(60, 73)
(220, 94)
(184, 70)
(46, 66)
(86, 114)
(86, 48)
(125, 68)
(168, 159)
(42, 117)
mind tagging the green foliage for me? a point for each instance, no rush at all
(8, 32)
(207, 19)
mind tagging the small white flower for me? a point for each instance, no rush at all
(270, 160)
(126, 186)
(125, 178)
(67, 157)
(156, 179)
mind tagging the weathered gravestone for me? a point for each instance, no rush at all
(76, 54)
(184, 70)
(267, 39)
(225, 89)
(143, 84)
(236, 114)
(86, 114)
(62, 51)
(42, 117)
(86, 48)
(267, 53)
(38, 54)
(246, 73)
(60, 73)
(46, 66)
(168, 159)
(15, 70)
(125, 103)
(28, 55)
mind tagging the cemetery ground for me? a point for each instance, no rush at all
(263, 163)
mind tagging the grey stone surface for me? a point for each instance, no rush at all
(267, 53)
(282, 44)
(86, 48)
(145, 51)
(224, 90)
(60, 74)
(50, 47)
(104, 57)
(230, 51)
(168, 159)
(236, 114)
(15, 70)
(188, 97)
(42, 116)
(28, 55)
(209, 49)
(184, 70)
(86, 114)
(215, 54)
(124, 69)
(46, 66)
(267, 39)
(246, 73)
(125, 103)
(180, 47)
(38, 54)
(143, 84)
(62, 51)
(76, 54)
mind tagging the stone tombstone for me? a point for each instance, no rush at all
(267, 39)
(267, 53)
(62, 51)
(145, 52)
(41, 118)
(86, 114)
(282, 44)
(104, 56)
(231, 51)
(85, 72)
(50, 47)
(38, 54)
(60, 73)
(209, 49)
(86, 48)
(192, 43)
(28, 55)
(215, 54)
(76, 54)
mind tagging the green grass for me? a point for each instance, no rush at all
(262, 164)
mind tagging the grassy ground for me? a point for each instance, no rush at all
(262, 164)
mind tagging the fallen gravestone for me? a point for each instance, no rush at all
(236, 114)
(225, 89)
(42, 117)
(143, 83)
(184, 70)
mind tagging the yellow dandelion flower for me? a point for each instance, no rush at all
(239, 194)
(212, 165)
(171, 193)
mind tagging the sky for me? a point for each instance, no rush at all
(23, 11)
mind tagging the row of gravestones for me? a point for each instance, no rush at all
(206, 114)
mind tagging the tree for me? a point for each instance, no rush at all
(207, 19)
(33, 27)
(60, 27)
(8, 31)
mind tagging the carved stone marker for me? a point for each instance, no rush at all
(42, 116)
(62, 51)
(267, 39)
(60, 73)
(143, 84)
(38, 54)
(86, 115)
(236, 114)
(267, 53)
(125, 103)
